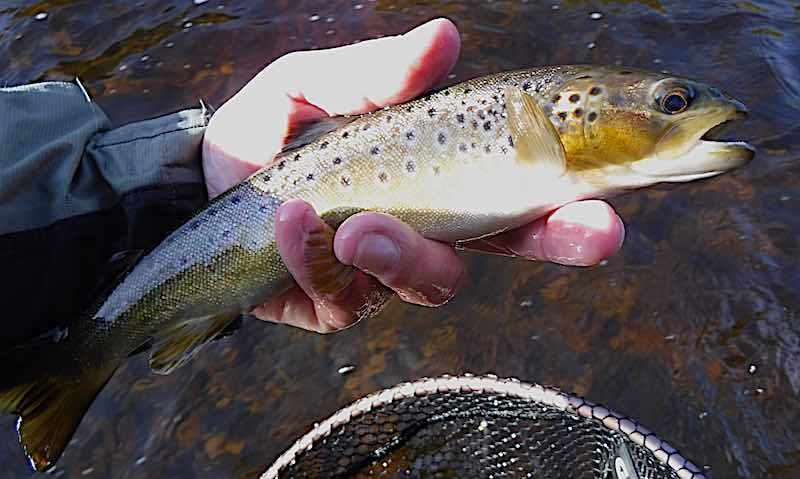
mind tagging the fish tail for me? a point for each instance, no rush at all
(50, 402)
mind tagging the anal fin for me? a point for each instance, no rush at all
(175, 346)
(50, 408)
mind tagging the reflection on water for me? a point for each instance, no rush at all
(694, 329)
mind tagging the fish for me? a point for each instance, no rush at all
(465, 162)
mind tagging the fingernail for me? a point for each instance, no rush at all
(376, 254)
(564, 245)
(311, 222)
(621, 227)
(283, 214)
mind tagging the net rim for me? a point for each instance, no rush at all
(546, 395)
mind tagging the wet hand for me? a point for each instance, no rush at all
(247, 131)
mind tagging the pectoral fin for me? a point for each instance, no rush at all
(50, 408)
(177, 345)
(535, 138)
(328, 276)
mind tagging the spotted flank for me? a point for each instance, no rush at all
(466, 162)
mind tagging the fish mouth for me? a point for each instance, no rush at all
(709, 152)
(724, 151)
(720, 131)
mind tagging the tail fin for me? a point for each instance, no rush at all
(50, 406)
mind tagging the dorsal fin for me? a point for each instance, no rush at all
(115, 270)
(303, 134)
(535, 138)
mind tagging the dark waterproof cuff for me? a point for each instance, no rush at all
(74, 193)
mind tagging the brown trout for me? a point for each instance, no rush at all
(468, 161)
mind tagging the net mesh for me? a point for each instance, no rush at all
(479, 427)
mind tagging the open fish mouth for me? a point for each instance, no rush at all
(712, 152)
(723, 151)
(721, 132)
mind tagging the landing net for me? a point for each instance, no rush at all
(479, 427)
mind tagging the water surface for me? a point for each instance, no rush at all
(694, 329)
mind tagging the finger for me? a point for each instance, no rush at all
(578, 234)
(243, 136)
(306, 307)
(359, 78)
(421, 271)
(252, 127)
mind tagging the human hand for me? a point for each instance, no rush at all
(247, 131)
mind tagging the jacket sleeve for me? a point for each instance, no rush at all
(74, 192)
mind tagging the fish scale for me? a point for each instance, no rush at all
(468, 161)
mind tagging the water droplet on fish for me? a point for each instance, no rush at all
(313, 18)
(199, 2)
(603, 263)
(358, 6)
(170, 44)
(451, 76)
(330, 32)
(122, 68)
(752, 369)
(41, 16)
(188, 25)
(187, 66)
(87, 471)
(346, 369)
(702, 415)
(591, 45)
(145, 58)
(657, 61)
(556, 7)
(785, 198)
(596, 16)
(526, 303)
(142, 459)
(759, 390)
(329, 20)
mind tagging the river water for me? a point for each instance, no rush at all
(693, 329)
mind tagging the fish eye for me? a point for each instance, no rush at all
(675, 101)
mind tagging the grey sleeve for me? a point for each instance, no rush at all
(60, 158)
(75, 192)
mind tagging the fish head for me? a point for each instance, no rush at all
(630, 129)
